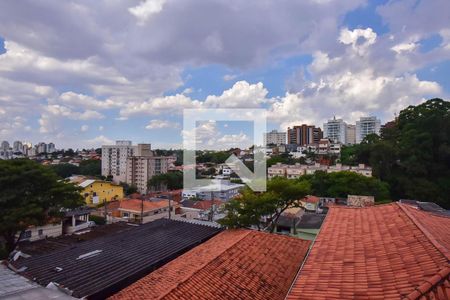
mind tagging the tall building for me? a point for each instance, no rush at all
(17, 146)
(41, 148)
(350, 134)
(304, 135)
(4, 146)
(51, 148)
(142, 168)
(366, 126)
(114, 159)
(275, 137)
(335, 130)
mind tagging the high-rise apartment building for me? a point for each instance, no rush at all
(304, 135)
(4, 146)
(142, 168)
(350, 134)
(51, 148)
(275, 137)
(17, 146)
(366, 126)
(114, 159)
(335, 130)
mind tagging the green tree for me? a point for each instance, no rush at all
(248, 210)
(65, 170)
(32, 194)
(171, 181)
(91, 167)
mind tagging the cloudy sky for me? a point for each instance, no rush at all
(85, 73)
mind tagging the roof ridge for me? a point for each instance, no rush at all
(195, 270)
(426, 233)
(429, 284)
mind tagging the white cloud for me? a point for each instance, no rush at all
(241, 95)
(84, 128)
(159, 124)
(404, 47)
(229, 77)
(360, 39)
(146, 8)
(97, 142)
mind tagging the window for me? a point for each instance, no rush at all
(26, 234)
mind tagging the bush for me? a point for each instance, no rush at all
(97, 219)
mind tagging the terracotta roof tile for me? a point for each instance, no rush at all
(379, 252)
(236, 264)
(136, 204)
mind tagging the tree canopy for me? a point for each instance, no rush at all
(32, 194)
(412, 154)
(171, 181)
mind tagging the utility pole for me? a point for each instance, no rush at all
(142, 210)
(106, 210)
(170, 207)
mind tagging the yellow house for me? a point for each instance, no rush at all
(98, 191)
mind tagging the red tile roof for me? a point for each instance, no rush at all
(381, 252)
(206, 204)
(311, 199)
(136, 204)
(235, 264)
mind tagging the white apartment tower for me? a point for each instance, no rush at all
(275, 137)
(114, 159)
(335, 130)
(366, 126)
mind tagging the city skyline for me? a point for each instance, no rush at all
(86, 75)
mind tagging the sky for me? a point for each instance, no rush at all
(85, 73)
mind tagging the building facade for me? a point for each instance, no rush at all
(335, 130)
(114, 159)
(350, 134)
(139, 169)
(275, 137)
(297, 170)
(304, 135)
(96, 192)
(366, 126)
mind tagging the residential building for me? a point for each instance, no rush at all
(350, 134)
(310, 203)
(77, 219)
(35, 233)
(366, 126)
(223, 190)
(235, 264)
(294, 171)
(4, 146)
(97, 192)
(140, 169)
(41, 148)
(114, 159)
(206, 210)
(390, 251)
(304, 135)
(275, 138)
(17, 146)
(116, 260)
(135, 210)
(51, 148)
(335, 130)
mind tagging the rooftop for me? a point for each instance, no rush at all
(136, 205)
(390, 251)
(235, 264)
(101, 267)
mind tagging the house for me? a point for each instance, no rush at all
(310, 203)
(35, 233)
(98, 268)
(389, 251)
(309, 225)
(219, 189)
(135, 209)
(235, 264)
(200, 210)
(76, 220)
(96, 191)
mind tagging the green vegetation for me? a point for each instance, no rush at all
(90, 167)
(248, 210)
(412, 154)
(282, 193)
(342, 184)
(284, 158)
(97, 219)
(171, 181)
(128, 189)
(32, 194)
